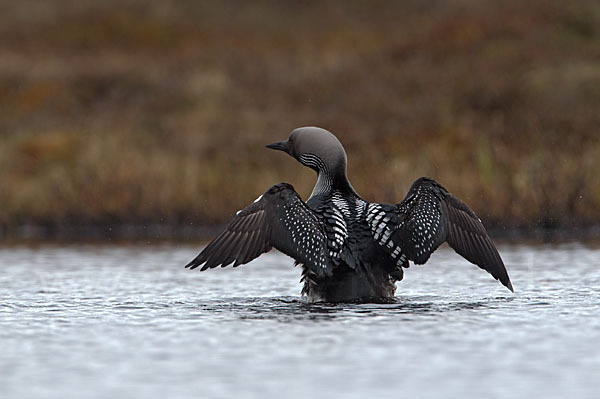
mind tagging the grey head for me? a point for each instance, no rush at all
(321, 151)
(316, 148)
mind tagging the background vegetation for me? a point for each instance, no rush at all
(120, 113)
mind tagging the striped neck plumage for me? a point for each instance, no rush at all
(331, 175)
(324, 176)
(328, 179)
(323, 186)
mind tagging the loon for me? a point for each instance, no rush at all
(350, 250)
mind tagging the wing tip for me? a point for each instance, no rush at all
(509, 285)
(194, 263)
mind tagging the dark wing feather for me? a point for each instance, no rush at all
(278, 218)
(427, 217)
(468, 237)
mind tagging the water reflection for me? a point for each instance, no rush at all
(286, 309)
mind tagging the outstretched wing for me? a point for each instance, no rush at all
(278, 218)
(428, 216)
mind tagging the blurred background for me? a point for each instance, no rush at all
(149, 119)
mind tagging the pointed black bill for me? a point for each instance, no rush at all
(281, 146)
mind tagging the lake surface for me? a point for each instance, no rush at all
(129, 321)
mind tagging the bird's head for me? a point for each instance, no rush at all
(316, 148)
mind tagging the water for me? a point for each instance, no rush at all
(129, 321)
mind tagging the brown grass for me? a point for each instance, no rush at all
(124, 112)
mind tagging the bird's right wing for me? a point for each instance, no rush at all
(278, 218)
(427, 217)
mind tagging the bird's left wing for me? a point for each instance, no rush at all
(278, 218)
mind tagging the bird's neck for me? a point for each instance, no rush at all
(327, 182)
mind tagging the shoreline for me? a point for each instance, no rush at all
(156, 232)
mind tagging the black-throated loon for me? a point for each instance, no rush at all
(349, 249)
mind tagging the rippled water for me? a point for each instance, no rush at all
(123, 321)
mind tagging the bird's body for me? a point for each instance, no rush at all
(349, 249)
(362, 269)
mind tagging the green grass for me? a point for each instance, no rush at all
(123, 112)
